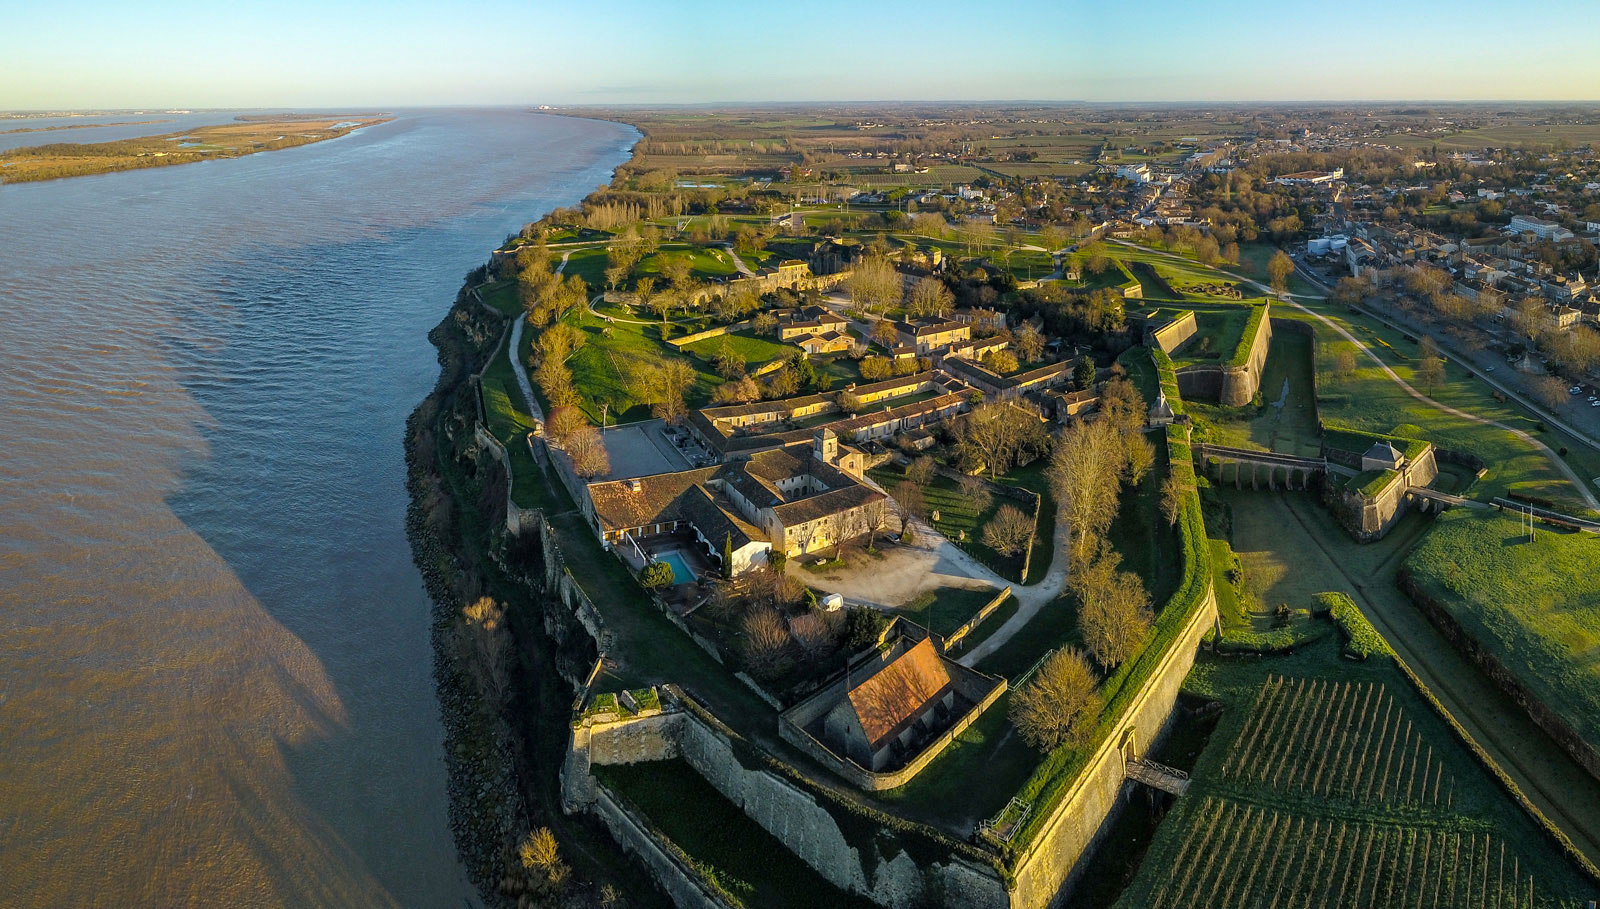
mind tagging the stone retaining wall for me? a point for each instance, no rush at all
(681, 882)
(1228, 385)
(782, 808)
(1071, 831)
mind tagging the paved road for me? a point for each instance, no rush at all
(1579, 483)
(1566, 794)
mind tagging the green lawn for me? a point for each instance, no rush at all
(746, 861)
(502, 296)
(1308, 790)
(1218, 331)
(704, 262)
(947, 608)
(1290, 429)
(1534, 606)
(510, 420)
(754, 349)
(588, 263)
(1370, 401)
(610, 364)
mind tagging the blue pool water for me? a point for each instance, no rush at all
(681, 572)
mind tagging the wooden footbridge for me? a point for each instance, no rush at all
(1158, 776)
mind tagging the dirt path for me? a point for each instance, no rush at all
(1029, 599)
(738, 262)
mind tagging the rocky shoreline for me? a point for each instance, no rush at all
(484, 797)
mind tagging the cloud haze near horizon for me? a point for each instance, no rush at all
(95, 54)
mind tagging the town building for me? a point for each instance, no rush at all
(797, 499)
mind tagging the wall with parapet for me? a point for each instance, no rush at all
(1048, 866)
(1229, 385)
(681, 882)
(782, 808)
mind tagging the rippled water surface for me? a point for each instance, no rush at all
(214, 660)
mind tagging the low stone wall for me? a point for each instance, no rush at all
(982, 690)
(955, 637)
(1048, 867)
(715, 332)
(683, 885)
(782, 808)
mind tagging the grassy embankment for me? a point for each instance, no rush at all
(204, 143)
(1535, 606)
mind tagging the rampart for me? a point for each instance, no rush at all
(1235, 383)
(1171, 336)
(1073, 828)
(848, 854)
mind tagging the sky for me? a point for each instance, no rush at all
(76, 54)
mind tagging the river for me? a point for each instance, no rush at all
(215, 681)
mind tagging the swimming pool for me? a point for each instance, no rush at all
(681, 572)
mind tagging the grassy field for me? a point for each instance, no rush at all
(1329, 782)
(609, 368)
(1369, 400)
(944, 610)
(1288, 429)
(1534, 606)
(1218, 331)
(755, 350)
(746, 861)
(704, 262)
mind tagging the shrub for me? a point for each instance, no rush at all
(657, 575)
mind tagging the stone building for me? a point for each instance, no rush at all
(797, 499)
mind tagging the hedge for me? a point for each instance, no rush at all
(1361, 640)
(1247, 340)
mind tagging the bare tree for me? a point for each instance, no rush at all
(874, 284)
(929, 297)
(1172, 498)
(1083, 474)
(1115, 610)
(1058, 705)
(1549, 391)
(884, 334)
(908, 496)
(1141, 457)
(921, 470)
(1008, 531)
(876, 516)
(489, 643)
(975, 492)
(766, 643)
(1030, 343)
(588, 452)
(1279, 268)
(1344, 363)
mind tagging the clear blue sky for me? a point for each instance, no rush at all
(97, 53)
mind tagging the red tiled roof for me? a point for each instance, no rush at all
(899, 692)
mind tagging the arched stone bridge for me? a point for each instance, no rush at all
(1296, 471)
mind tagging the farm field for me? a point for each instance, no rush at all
(1534, 606)
(1292, 549)
(1499, 137)
(1329, 782)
